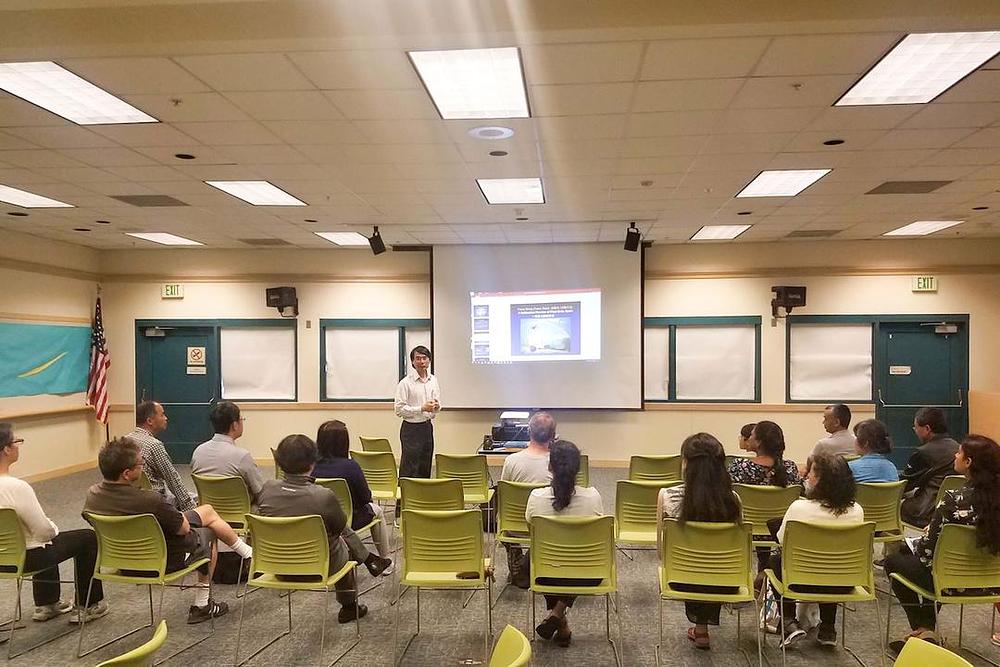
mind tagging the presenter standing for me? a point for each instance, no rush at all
(418, 400)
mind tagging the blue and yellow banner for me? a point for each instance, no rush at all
(43, 359)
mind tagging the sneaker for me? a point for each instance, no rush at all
(996, 639)
(350, 612)
(793, 633)
(377, 565)
(94, 612)
(212, 610)
(47, 612)
(389, 571)
(826, 634)
(548, 627)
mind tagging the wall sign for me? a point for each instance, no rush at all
(925, 284)
(196, 356)
(900, 370)
(197, 370)
(172, 291)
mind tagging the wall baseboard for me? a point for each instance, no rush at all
(60, 472)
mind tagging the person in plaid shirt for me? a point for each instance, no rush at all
(149, 421)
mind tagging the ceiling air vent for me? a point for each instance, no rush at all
(265, 243)
(812, 233)
(146, 201)
(907, 187)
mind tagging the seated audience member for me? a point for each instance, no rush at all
(189, 535)
(562, 498)
(333, 444)
(297, 495)
(47, 546)
(874, 445)
(221, 455)
(706, 495)
(744, 439)
(840, 441)
(830, 494)
(976, 504)
(928, 466)
(150, 420)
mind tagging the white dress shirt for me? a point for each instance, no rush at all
(411, 394)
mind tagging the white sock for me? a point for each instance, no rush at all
(200, 595)
(242, 548)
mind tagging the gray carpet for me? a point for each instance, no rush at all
(449, 634)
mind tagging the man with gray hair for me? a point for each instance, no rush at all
(532, 463)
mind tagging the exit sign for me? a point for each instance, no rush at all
(172, 291)
(925, 284)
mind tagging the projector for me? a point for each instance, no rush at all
(512, 427)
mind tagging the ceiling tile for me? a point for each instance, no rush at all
(980, 86)
(246, 71)
(702, 58)
(221, 134)
(935, 116)
(580, 99)
(136, 75)
(187, 107)
(382, 104)
(561, 63)
(333, 70)
(41, 158)
(404, 131)
(286, 105)
(900, 139)
(863, 117)
(316, 132)
(559, 128)
(850, 53)
(669, 123)
(152, 134)
(681, 95)
(803, 91)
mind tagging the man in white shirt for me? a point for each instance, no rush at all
(840, 441)
(531, 465)
(418, 400)
(222, 456)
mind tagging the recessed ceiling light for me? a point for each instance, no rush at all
(719, 232)
(512, 190)
(183, 156)
(498, 153)
(18, 214)
(921, 67)
(258, 193)
(491, 132)
(163, 238)
(646, 183)
(474, 83)
(923, 227)
(25, 199)
(344, 238)
(103, 222)
(782, 182)
(521, 219)
(80, 229)
(58, 90)
(833, 142)
(310, 220)
(744, 212)
(980, 208)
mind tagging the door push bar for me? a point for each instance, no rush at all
(961, 403)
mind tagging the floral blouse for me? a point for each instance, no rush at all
(745, 471)
(955, 508)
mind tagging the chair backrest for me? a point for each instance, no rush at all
(343, 492)
(573, 547)
(828, 554)
(227, 495)
(292, 545)
(12, 545)
(583, 477)
(850, 457)
(733, 457)
(129, 542)
(470, 469)
(635, 506)
(763, 503)
(655, 468)
(949, 483)
(379, 469)
(431, 495)
(141, 656)
(707, 554)
(512, 649)
(144, 482)
(880, 501)
(278, 474)
(960, 564)
(918, 653)
(512, 499)
(442, 541)
(375, 444)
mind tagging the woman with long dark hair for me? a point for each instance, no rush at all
(744, 440)
(768, 467)
(562, 498)
(706, 495)
(975, 504)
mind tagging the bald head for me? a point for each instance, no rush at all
(542, 428)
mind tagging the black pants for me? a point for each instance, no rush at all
(417, 443)
(81, 546)
(919, 612)
(568, 600)
(704, 613)
(827, 611)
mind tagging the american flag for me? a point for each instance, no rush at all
(100, 361)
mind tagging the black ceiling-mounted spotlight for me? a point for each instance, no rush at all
(632, 238)
(376, 242)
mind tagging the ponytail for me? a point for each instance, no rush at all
(564, 462)
(772, 443)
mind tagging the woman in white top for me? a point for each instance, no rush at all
(46, 546)
(830, 494)
(562, 498)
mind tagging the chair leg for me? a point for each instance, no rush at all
(469, 599)
(211, 630)
(659, 628)
(258, 651)
(489, 627)
(17, 617)
(781, 622)
(961, 609)
(626, 554)
(531, 617)
(413, 636)
(83, 622)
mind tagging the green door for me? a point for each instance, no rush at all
(921, 364)
(186, 391)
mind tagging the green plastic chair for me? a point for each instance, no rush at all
(880, 501)
(512, 649)
(851, 457)
(636, 522)
(144, 482)
(12, 554)
(135, 544)
(918, 653)
(827, 554)
(298, 548)
(227, 495)
(431, 495)
(512, 527)
(341, 489)
(655, 468)
(375, 444)
(469, 469)
(442, 550)
(278, 474)
(958, 566)
(733, 457)
(707, 554)
(763, 503)
(583, 477)
(381, 473)
(949, 483)
(577, 548)
(141, 656)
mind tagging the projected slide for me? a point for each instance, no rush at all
(556, 325)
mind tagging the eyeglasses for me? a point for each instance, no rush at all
(18, 441)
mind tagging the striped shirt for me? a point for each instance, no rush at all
(160, 470)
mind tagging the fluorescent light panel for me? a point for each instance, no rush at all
(923, 227)
(58, 90)
(719, 232)
(921, 67)
(512, 190)
(25, 199)
(474, 83)
(782, 183)
(258, 193)
(163, 238)
(344, 238)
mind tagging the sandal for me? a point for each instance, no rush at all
(700, 638)
(548, 627)
(564, 636)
